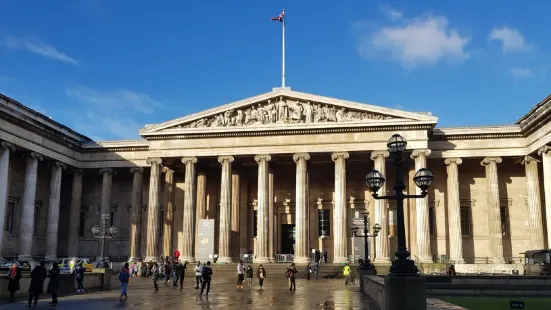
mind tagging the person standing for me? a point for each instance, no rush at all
(156, 275)
(250, 273)
(14, 275)
(198, 275)
(38, 275)
(182, 274)
(291, 274)
(308, 271)
(124, 277)
(53, 284)
(240, 274)
(316, 269)
(168, 271)
(261, 274)
(346, 273)
(325, 256)
(79, 276)
(207, 277)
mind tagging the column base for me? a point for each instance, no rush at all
(301, 260)
(189, 259)
(425, 260)
(135, 259)
(340, 260)
(382, 260)
(50, 258)
(25, 258)
(150, 259)
(225, 260)
(262, 260)
(457, 260)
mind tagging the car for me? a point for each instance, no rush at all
(68, 265)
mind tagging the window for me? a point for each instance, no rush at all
(36, 228)
(255, 226)
(9, 225)
(504, 213)
(432, 222)
(465, 217)
(82, 224)
(324, 223)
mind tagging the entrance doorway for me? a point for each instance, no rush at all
(287, 238)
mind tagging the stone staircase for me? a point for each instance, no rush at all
(325, 270)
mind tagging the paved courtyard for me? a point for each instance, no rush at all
(320, 294)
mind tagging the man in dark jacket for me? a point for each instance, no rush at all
(38, 275)
(182, 273)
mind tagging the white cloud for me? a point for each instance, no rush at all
(36, 46)
(512, 40)
(522, 72)
(111, 114)
(421, 41)
(391, 13)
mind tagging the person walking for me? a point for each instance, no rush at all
(316, 269)
(156, 275)
(250, 273)
(79, 276)
(168, 271)
(291, 274)
(207, 278)
(53, 284)
(261, 274)
(124, 277)
(182, 274)
(14, 276)
(240, 274)
(308, 271)
(346, 273)
(176, 273)
(38, 275)
(198, 275)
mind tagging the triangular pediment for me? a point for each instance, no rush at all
(283, 108)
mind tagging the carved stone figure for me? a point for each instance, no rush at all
(282, 110)
(308, 112)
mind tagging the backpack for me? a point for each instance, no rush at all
(123, 275)
(205, 273)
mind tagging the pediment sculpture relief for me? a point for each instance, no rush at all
(283, 112)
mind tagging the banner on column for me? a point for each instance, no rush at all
(205, 236)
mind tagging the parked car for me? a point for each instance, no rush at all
(68, 265)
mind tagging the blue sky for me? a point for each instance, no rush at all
(106, 68)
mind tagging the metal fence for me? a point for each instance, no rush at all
(246, 258)
(285, 258)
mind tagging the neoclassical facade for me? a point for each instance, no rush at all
(281, 172)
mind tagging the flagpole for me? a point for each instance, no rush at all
(283, 52)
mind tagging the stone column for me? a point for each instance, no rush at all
(243, 213)
(545, 153)
(201, 210)
(5, 149)
(535, 221)
(188, 228)
(340, 249)
(263, 208)
(136, 228)
(106, 187)
(301, 210)
(422, 211)
(26, 229)
(74, 213)
(382, 248)
(168, 221)
(454, 214)
(153, 211)
(225, 210)
(52, 227)
(271, 230)
(494, 214)
(235, 204)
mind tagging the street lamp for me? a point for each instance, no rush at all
(423, 179)
(105, 233)
(376, 228)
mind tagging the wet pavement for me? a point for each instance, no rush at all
(314, 294)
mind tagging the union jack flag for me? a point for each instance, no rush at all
(279, 17)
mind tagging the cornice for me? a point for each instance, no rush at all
(115, 146)
(284, 132)
(476, 132)
(539, 115)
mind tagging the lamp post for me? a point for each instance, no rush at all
(423, 178)
(105, 233)
(376, 228)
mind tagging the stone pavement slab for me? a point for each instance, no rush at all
(320, 294)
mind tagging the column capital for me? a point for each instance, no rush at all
(297, 156)
(189, 159)
(221, 159)
(59, 164)
(420, 152)
(259, 158)
(34, 155)
(376, 154)
(336, 155)
(106, 171)
(7, 145)
(154, 160)
(528, 159)
(544, 149)
(77, 171)
(136, 169)
(453, 160)
(489, 160)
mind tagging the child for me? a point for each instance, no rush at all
(250, 272)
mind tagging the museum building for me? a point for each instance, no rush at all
(279, 173)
